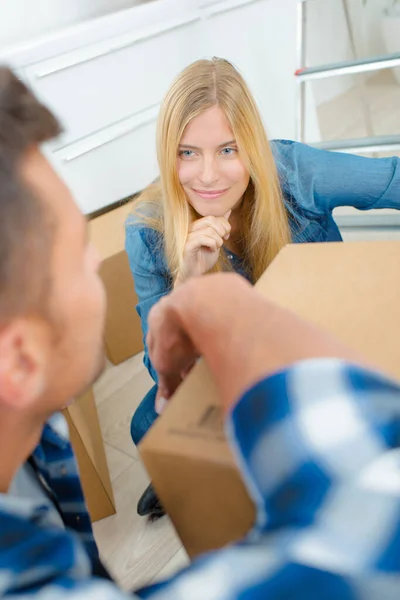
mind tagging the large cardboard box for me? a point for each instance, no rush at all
(123, 338)
(88, 445)
(123, 333)
(353, 290)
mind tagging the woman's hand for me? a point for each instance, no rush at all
(204, 241)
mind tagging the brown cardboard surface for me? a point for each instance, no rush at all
(107, 231)
(123, 333)
(88, 445)
(351, 289)
(193, 471)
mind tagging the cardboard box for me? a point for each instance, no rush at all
(123, 338)
(88, 445)
(123, 332)
(351, 289)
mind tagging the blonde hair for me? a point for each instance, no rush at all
(164, 206)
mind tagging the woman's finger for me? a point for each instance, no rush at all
(212, 242)
(220, 225)
(206, 232)
(161, 404)
(187, 370)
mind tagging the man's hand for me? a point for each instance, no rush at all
(171, 351)
(242, 336)
(197, 318)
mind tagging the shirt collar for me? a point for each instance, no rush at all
(55, 431)
(23, 508)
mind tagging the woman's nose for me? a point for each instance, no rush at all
(209, 172)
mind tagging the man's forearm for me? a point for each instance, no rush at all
(244, 338)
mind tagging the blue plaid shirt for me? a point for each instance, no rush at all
(319, 449)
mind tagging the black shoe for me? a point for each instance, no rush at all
(149, 505)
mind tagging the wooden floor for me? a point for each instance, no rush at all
(136, 551)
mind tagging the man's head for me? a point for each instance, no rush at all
(52, 301)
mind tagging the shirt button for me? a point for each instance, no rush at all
(78, 519)
(230, 256)
(63, 471)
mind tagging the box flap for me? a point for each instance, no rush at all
(90, 448)
(107, 231)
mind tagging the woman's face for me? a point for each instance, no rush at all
(209, 166)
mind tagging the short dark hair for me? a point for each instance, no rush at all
(25, 235)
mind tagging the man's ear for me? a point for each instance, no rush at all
(24, 351)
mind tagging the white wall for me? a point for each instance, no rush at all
(328, 40)
(373, 39)
(23, 20)
(109, 117)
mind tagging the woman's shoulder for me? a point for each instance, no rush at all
(139, 234)
(300, 158)
(286, 156)
(145, 219)
(144, 240)
(283, 150)
(296, 164)
(280, 144)
(146, 210)
(288, 151)
(145, 248)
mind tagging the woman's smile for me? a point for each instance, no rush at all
(210, 194)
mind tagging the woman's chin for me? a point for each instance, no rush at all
(209, 210)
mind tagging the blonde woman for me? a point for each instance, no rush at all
(227, 199)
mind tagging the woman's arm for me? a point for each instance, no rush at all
(320, 180)
(150, 275)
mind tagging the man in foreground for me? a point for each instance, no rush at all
(317, 439)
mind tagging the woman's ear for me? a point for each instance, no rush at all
(24, 351)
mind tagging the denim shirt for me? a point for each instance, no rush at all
(314, 183)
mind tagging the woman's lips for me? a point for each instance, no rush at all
(210, 194)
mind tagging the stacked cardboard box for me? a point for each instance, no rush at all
(123, 333)
(123, 338)
(88, 445)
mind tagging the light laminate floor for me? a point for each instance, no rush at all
(137, 552)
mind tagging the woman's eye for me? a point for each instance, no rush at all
(186, 153)
(228, 151)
